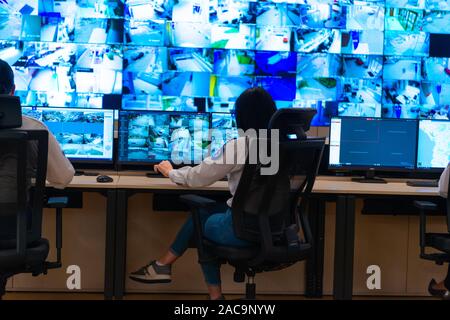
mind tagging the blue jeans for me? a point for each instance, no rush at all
(217, 227)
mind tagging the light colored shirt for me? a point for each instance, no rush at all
(59, 169)
(229, 162)
(443, 182)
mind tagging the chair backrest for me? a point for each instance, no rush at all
(266, 206)
(10, 112)
(23, 164)
(448, 203)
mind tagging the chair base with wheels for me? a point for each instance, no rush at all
(33, 260)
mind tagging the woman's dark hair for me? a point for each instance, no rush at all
(254, 108)
(6, 78)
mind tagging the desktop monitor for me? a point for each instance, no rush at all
(433, 150)
(151, 136)
(372, 144)
(85, 135)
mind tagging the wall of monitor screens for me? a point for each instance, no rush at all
(371, 58)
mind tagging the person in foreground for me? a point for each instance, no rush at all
(442, 289)
(254, 109)
(59, 169)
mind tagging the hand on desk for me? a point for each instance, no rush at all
(164, 167)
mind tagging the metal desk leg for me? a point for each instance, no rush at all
(110, 243)
(314, 265)
(121, 243)
(344, 247)
(339, 248)
(349, 247)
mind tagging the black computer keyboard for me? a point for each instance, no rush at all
(423, 183)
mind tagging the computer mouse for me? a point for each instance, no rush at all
(104, 179)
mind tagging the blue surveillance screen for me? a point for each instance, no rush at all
(150, 137)
(387, 59)
(373, 143)
(83, 134)
(434, 144)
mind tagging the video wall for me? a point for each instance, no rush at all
(372, 58)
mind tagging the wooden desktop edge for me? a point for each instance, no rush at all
(323, 185)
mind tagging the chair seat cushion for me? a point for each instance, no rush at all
(440, 241)
(231, 253)
(35, 255)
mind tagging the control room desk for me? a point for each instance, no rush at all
(342, 191)
(345, 192)
(108, 190)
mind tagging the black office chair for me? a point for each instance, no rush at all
(22, 186)
(269, 211)
(439, 241)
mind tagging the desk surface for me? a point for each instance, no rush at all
(142, 182)
(89, 182)
(346, 186)
(323, 185)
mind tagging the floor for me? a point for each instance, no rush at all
(98, 296)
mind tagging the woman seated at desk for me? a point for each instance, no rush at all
(254, 109)
(442, 289)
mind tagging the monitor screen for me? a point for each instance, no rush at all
(150, 137)
(83, 134)
(434, 144)
(372, 143)
(224, 128)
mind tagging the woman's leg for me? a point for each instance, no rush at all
(161, 270)
(211, 272)
(218, 228)
(447, 279)
(182, 240)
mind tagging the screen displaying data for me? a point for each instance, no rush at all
(373, 143)
(83, 134)
(434, 144)
(150, 137)
(368, 58)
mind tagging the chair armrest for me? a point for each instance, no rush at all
(57, 202)
(425, 205)
(195, 201)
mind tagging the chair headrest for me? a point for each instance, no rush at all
(10, 112)
(292, 123)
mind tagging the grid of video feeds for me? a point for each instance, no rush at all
(346, 58)
(64, 53)
(149, 137)
(368, 58)
(83, 134)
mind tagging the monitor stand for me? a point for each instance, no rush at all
(369, 178)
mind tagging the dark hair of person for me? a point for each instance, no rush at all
(6, 78)
(254, 108)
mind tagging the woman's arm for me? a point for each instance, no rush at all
(443, 182)
(209, 170)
